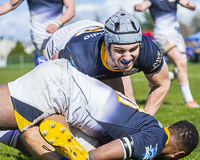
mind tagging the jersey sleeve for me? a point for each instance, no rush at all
(149, 143)
(150, 59)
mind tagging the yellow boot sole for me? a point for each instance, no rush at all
(62, 140)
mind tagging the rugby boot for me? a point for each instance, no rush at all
(192, 104)
(62, 140)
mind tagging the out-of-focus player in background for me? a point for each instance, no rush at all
(46, 17)
(169, 39)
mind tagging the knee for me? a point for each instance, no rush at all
(182, 64)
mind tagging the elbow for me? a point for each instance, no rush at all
(72, 12)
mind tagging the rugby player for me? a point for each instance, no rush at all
(56, 89)
(112, 53)
(109, 57)
(45, 18)
(169, 39)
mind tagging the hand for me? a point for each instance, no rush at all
(190, 5)
(137, 7)
(52, 28)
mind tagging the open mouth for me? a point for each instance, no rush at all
(125, 62)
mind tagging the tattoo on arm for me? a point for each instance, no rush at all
(46, 148)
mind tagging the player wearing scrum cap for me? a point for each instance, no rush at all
(111, 52)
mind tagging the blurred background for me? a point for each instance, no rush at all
(15, 40)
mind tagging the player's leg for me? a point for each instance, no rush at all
(7, 117)
(62, 139)
(180, 61)
(36, 144)
(9, 137)
(39, 53)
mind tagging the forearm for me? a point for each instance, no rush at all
(187, 4)
(8, 6)
(155, 99)
(143, 6)
(112, 150)
(69, 13)
(160, 82)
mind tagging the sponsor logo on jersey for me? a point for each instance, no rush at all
(132, 71)
(150, 152)
(93, 35)
(158, 61)
(98, 76)
(93, 29)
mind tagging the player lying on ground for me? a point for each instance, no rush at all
(95, 53)
(56, 89)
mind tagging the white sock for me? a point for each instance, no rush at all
(186, 92)
(9, 137)
(171, 75)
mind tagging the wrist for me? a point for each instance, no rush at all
(58, 23)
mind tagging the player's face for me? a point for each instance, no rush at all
(124, 56)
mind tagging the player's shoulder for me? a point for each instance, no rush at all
(148, 44)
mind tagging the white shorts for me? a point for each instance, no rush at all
(44, 91)
(40, 47)
(55, 87)
(167, 39)
(62, 36)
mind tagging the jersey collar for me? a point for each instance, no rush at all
(104, 58)
(168, 134)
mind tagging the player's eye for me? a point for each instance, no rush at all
(119, 51)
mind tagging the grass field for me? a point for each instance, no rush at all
(171, 111)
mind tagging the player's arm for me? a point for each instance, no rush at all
(8, 6)
(142, 6)
(160, 86)
(111, 150)
(187, 4)
(121, 84)
(67, 15)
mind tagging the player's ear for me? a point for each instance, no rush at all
(179, 154)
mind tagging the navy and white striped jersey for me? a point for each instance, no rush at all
(164, 13)
(42, 14)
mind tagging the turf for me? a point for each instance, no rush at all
(172, 110)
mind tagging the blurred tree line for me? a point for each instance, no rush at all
(18, 50)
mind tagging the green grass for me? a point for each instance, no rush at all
(171, 111)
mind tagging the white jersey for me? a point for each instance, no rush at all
(87, 104)
(42, 14)
(166, 32)
(62, 36)
(57, 87)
